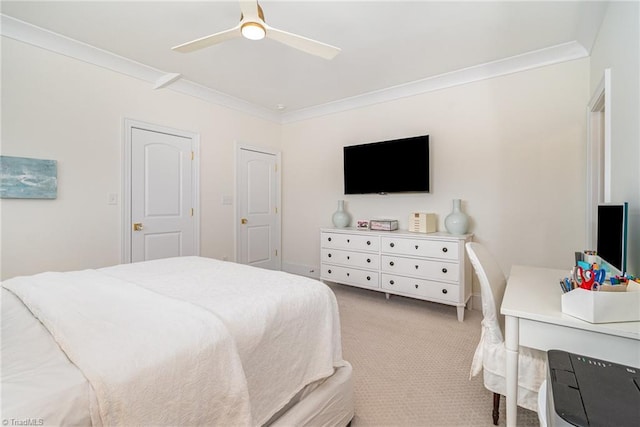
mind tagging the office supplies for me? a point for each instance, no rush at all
(588, 278)
(533, 318)
(563, 286)
(584, 391)
(584, 265)
(578, 256)
(590, 256)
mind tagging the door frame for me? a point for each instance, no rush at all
(598, 153)
(236, 230)
(128, 126)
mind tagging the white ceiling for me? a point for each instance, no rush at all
(384, 43)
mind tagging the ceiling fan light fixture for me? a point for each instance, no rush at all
(253, 31)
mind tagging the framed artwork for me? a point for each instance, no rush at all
(24, 178)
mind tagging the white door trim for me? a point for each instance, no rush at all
(598, 153)
(236, 230)
(127, 127)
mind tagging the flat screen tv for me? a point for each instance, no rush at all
(394, 166)
(612, 235)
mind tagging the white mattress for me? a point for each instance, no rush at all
(39, 381)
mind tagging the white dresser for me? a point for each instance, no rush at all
(432, 267)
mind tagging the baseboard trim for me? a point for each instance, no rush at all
(302, 270)
(476, 302)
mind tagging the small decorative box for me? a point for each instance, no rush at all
(383, 224)
(421, 222)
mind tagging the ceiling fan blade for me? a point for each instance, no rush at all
(304, 44)
(249, 9)
(208, 40)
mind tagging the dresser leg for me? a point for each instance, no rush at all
(461, 314)
(386, 294)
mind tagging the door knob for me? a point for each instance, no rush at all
(137, 226)
(243, 221)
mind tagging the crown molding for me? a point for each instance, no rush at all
(526, 61)
(54, 42)
(45, 39)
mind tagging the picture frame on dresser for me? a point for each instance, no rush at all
(432, 267)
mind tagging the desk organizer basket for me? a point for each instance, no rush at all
(602, 307)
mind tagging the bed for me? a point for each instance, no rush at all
(179, 341)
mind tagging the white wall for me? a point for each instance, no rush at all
(512, 148)
(618, 48)
(54, 107)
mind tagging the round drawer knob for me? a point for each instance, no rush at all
(444, 270)
(444, 291)
(416, 267)
(348, 257)
(348, 240)
(348, 274)
(329, 255)
(391, 282)
(392, 244)
(445, 250)
(368, 277)
(416, 247)
(391, 264)
(369, 242)
(416, 286)
(329, 271)
(329, 239)
(368, 259)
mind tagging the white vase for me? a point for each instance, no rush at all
(341, 218)
(457, 222)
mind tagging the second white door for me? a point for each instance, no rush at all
(258, 186)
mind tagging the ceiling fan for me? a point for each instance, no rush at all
(253, 27)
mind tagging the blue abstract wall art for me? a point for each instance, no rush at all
(24, 178)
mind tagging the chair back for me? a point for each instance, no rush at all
(492, 286)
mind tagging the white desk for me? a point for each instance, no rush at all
(534, 318)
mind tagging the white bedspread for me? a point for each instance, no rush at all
(205, 342)
(286, 327)
(151, 360)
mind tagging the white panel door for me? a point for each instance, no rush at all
(259, 220)
(161, 196)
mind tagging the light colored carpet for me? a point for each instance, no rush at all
(411, 363)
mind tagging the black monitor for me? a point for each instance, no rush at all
(612, 235)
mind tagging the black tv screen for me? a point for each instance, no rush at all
(399, 165)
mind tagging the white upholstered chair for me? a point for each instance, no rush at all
(490, 355)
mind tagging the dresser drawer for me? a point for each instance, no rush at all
(351, 276)
(443, 249)
(420, 288)
(352, 259)
(350, 241)
(428, 269)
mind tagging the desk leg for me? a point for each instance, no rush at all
(512, 343)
